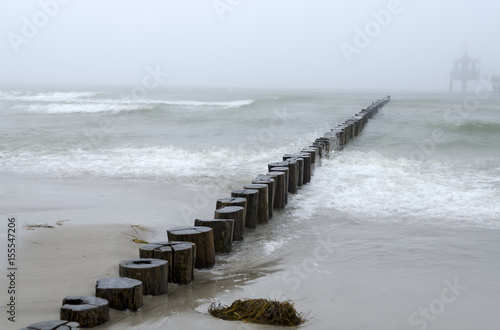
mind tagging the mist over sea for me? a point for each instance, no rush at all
(411, 207)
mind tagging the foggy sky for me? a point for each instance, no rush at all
(246, 43)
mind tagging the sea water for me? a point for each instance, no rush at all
(408, 210)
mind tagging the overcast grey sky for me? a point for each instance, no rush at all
(237, 43)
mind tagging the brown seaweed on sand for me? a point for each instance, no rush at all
(262, 311)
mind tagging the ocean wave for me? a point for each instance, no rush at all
(163, 163)
(376, 188)
(167, 163)
(84, 102)
(63, 108)
(87, 97)
(115, 106)
(45, 96)
(223, 104)
(479, 126)
(220, 104)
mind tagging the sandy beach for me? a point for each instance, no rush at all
(352, 275)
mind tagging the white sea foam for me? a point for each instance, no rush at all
(28, 96)
(370, 186)
(272, 246)
(223, 167)
(45, 96)
(188, 103)
(222, 104)
(60, 108)
(89, 106)
(157, 163)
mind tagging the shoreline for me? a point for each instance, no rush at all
(356, 277)
(355, 273)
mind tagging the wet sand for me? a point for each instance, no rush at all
(345, 273)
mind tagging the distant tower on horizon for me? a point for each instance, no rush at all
(465, 68)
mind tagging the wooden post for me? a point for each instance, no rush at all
(362, 121)
(237, 213)
(293, 179)
(348, 131)
(152, 272)
(318, 150)
(314, 157)
(122, 293)
(88, 311)
(307, 166)
(345, 134)
(263, 202)
(286, 170)
(321, 154)
(181, 257)
(326, 144)
(352, 130)
(53, 325)
(202, 237)
(300, 162)
(293, 173)
(222, 231)
(271, 190)
(340, 136)
(355, 126)
(231, 201)
(279, 197)
(252, 197)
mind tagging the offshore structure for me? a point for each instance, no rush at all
(494, 82)
(465, 68)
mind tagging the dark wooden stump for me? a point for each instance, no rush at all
(153, 273)
(293, 173)
(279, 197)
(306, 173)
(53, 325)
(348, 132)
(286, 170)
(314, 158)
(271, 190)
(252, 197)
(352, 130)
(122, 293)
(88, 311)
(326, 144)
(300, 168)
(237, 213)
(231, 201)
(345, 130)
(357, 125)
(339, 138)
(319, 151)
(263, 202)
(180, 256)
(202, 237)
(222, 230)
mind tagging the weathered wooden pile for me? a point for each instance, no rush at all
(188, 248)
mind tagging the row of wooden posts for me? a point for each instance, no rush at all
(188, 248)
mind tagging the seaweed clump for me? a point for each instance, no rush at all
(261, 311)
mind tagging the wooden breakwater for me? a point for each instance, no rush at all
(193, 247)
